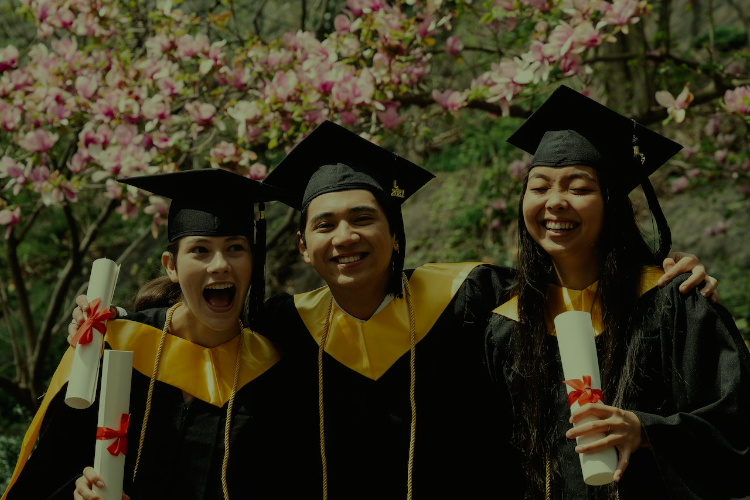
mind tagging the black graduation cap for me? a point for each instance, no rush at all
(207, 202)
(572, 129)
(332, 159)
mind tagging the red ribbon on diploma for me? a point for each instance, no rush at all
(583, 392)
(120, 444)
(94, 321)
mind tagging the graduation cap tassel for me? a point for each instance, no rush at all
(662, 227)
(258, 291)
(664, 234)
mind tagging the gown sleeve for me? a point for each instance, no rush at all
(700, 438)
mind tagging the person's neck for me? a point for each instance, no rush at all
(186, 326)
(361, 302)
(575, 275)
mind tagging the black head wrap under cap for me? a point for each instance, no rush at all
(332, 159)
(215, 202)
(572, 129)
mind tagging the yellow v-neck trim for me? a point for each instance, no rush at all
(561, 299)
(373, 346)
(183, 365)
(181, 359)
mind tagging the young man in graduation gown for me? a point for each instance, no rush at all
(187, 379)
(390, 359)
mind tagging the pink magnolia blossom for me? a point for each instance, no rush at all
(189, 46)
(517, 168)
(713, 125)
(342, 23)
(10, 118)
(8, 58)
(721, 155)
(10, 218)
(454, 46)
(622, 12)
(738, 100)
(675, 106)
(495, 225)
(449, 99)
(169, 87)
(127, 210)
(158, 207)
(389, 118)
(124, 134)
(155, 108)
(201, 113)
(283, 85)
(680, 184)
(77, 162)
(689, 151)
(87, 85)
(113, 189)
(38, 141)
(499, 205)
(224, 152)
(257, 171)
(359, 7)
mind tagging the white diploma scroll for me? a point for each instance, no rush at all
(114, 403)
(575, 337)
(84, 372)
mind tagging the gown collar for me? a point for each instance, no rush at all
(561, 299)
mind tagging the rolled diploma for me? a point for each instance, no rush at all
(575, 338)
(81, 392)
(114, 401)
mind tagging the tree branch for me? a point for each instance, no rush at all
(303, 15)
(424, 100)
(23, 307)
(30, 220)
(72, 268)
(319, 27)
(96, 225)
(256, 17)
(18, 361)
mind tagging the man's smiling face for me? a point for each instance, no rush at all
(348, 241)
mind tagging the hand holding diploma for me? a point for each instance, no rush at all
(622, 428)
(85, 486)
(89, 337)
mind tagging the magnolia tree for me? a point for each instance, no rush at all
(112, 89)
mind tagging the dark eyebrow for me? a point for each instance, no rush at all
(352, 210)
(577, 175)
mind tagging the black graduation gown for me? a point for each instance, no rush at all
(184, 444)
(692, 399)
(366, 370)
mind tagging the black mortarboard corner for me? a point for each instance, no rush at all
(333, 159)
(572, 129)
(215, 202)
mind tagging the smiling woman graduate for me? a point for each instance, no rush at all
(674, 368)
(389, 359)
(210, 400)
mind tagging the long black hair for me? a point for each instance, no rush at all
(622, 253)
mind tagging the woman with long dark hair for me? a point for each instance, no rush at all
(211, 405)
(674, 368)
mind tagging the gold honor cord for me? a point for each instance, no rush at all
(412, 391)
(230, 405)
